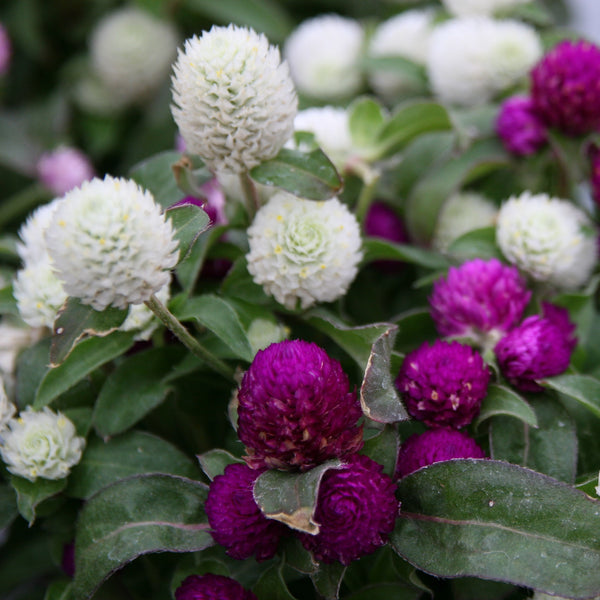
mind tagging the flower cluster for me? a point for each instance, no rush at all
(212, 587)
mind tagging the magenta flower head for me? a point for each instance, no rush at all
(64, 169)
(443, 384)
(356, 510)
(383, 222)
(565, 89)
(520, 128)
(540, 347)
(435, 445)
(296, 409)
(481, 299)
(5, 50)
(236, 520)
(212, 587)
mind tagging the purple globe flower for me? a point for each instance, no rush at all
(443, 384)
(356, 510)
(64, 169)
(481, 299)
(5, 50)
(520, 128)
(595, 173)
(236, 520)
(540, 347)
(565, 88)
(435, 445)
(296, 409)
(383, 222)
(212, 587)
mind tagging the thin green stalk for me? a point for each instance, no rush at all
(370, 178)
(250, 194)
(190, 342)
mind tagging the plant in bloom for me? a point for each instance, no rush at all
(64, 169)
(435, 445)
(303, 251)
(234, 100)
(323, 54)
(356, 510)
(236, 520)
(443, 383)
(564, 87)
(212, 587)
(549, 239)
(540, 347)
(111, 244)
(480, 300)
(296, 409)
(40, 444)
(520, 127)
(463, 8)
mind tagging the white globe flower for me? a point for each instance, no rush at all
(32, 247)
(132, 52)
(305, 251)
(140, 318)
(464, 8)
(461, 213)
(111, 244)
(548, 238)
(234, 100)
(471, 59)
(323, 54)
(406, 35)
(7, 408)
(40, 444)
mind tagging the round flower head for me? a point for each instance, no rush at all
(550, 239)
(296, 409)
(132, 52)
(40, 444)
(64, 169)
(461, 213)
(323, 54)
(540, 347)
(405, 35)
(471, 59)
(383, 222)
(212, 587)
(305, 251)
(435, 445)
(356, 510)
(463, 8)
(520, 127)
(236, 520)
(5, 50)
(111, 244)
(564, 87)
(234, 100)
(32, 247)
(481, 299)
(7, 408)
(443, 384)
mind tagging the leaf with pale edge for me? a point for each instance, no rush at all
(582, 388)
(189, 221)
(271, 585)
(501, 400)
(136, 516)
(214, 461)
(32, 493)
(383, 448)
(494, 520)
(328, 579)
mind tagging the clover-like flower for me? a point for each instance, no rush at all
(520, 127)
(32, 245)
(234, 99)
(435, 445)
(40, 444)
(236, 520)
(356, 510)
(323, 54)
(63, 169)
(463, 8)
(296, 409)
(212, 587)
(549, 239)
(443, 383)
(304, 251)
(111, 244)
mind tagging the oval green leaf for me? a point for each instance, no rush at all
(582, 388)
(501, 400)
(155, 174)
(378, 249)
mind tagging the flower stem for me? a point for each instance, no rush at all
(190, 342)
(370, 179)
(250, 194)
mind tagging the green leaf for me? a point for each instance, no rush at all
(306, 175)
(191, 174)
(137, 386)
(59, 590)
(583, 388)
(551, 448)
(478, 243)
(365, 118)
(291, 498)
(189, 222)
(385, 591)
(415, 327)
(501, 400)
(239, 284)
(156, 175)
(214, 461)
(493, 520)
(32, 493)
(588, 484)
(8, 304)
(218, 316)
(8, 506)
(297, 556)
(271, 585)
(32, 366)
(75, 321)
(328, 579)
(133, 517)
(412, 74)
(132, 453)
(383, 449)
(379, 249)
(379, 398)
(87, 356)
